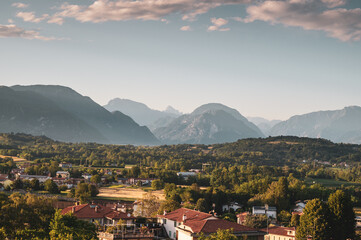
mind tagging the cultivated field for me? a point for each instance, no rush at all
(127, 193)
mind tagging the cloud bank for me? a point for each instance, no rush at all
(343, 24)
(12, 31)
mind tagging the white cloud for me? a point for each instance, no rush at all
(12, 31)
(20, 5)
(30, 17)
(186, 28)
(217, 25)
(10, 21)
(343, 24)
(120, 10)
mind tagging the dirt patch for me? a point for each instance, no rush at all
(127, 193)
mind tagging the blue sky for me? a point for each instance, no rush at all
(265, 58)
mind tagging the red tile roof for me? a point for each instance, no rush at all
(208, 226)
(119, 215)
(88, 211)
(282, 231)
(190, 214)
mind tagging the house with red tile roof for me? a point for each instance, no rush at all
(280, 233)
(103, 215)
(187, 224)
(89, 212)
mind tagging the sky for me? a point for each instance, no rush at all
(265, 58)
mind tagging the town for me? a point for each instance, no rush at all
(131, 202)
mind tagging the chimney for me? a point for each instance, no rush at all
(165, 212)
(184, 217)
(73, 209)
(96, 209)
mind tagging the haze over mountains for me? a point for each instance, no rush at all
(142, 114)
(62, 114)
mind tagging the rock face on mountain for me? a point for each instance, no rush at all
(63, 114)
(140, 112)
(210, 123)
(263, 124)
(338, 126)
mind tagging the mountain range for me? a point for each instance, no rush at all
(62, 114)
(338, 126)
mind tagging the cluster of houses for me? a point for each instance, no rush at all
(63, 178)
(181, 224)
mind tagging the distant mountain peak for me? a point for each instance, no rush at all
(209, 123)
(172, 110)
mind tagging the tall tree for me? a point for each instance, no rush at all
(343, 215)
(316, 221)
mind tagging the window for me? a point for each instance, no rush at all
(170, 233)
(175, 224)
(164, 221)
(174, 235)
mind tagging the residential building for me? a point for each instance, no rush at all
(62, 174)
(65, 165)
(191, 229)
(270, 212)
(187, 224)
(280, 233)
(233, 206)
(186, 175)
(41, 179)
(241, 218)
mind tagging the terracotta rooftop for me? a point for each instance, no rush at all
(281, 231)
(208, 226)
(178, 214)
(88, 211)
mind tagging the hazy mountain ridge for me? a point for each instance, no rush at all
(263, 124)
(116, 127)
(141, 113)
(338, 125)
(31, 113)
(210, 123)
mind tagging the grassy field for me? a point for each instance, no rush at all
(127, 193)
(330, 182)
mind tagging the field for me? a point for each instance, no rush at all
(16, 159)
(330, 182)
(128, 194)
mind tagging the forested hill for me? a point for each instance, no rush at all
(289, 149)
(275, 151)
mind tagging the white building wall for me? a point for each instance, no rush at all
(170, 228)
(184, 236)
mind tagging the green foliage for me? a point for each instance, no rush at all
(157, 184)
(316, 221)
(219, 235)
(25, 216)
(343, 215)
(69, 227)
(256, 221)
(168, 206)
(202, 205)
(84, 191)
(51, 186)
(284, 218)
(95, 179)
